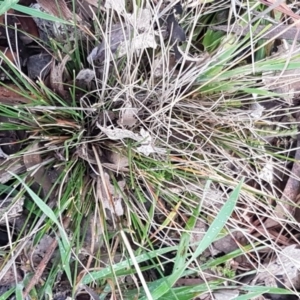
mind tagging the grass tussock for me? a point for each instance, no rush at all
(153, 157)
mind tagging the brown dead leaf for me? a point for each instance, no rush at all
(2, 17)
(57, 76)
(58, 8)
(29, 30)
(11, 94)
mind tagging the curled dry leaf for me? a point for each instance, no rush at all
(267, 172)
(142, 21)
(147, 147)
(119, 134)
(144, 138)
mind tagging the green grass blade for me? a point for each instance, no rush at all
(124, 265)
(7, 5)
(212, 233)
(38, 14)
(44, 208)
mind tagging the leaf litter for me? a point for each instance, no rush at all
(131, 121)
